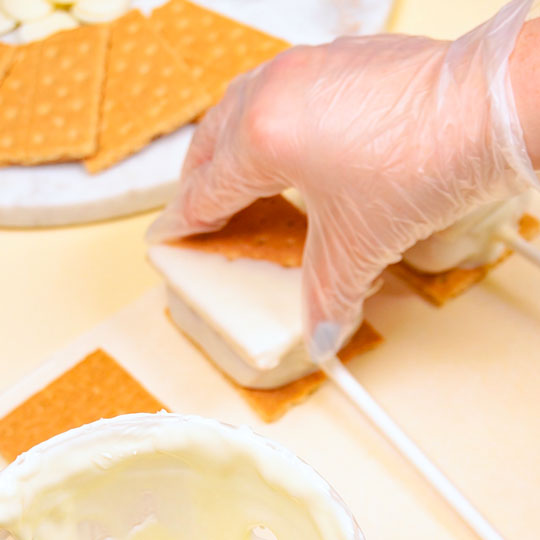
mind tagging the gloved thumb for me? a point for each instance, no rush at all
(192, 210)
(207, 197)
(215, 183)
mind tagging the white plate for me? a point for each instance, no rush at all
(65, 194)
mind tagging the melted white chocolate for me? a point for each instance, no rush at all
(167, 477)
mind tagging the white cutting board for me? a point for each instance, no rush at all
(62, 194)
(463, 381)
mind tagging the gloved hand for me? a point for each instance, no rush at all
(388, 139)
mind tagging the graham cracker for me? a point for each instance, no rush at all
(273, 229)
(50, 98)
(439, 288)
(270, 405)
(95, 388)
(216, 47)
(148, 92)
(6, 57)
(16, 97)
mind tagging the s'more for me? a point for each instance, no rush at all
(449, 262)
(236, 294)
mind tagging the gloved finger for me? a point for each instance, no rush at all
(212, 125)
(226, 167)
(171, 223)
(218, 180)
(204, 139)
(337, 276)
(197, 168)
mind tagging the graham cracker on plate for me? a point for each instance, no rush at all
(273, 229)
(216, 47)
(16, 100)
(6, 57)
(97, 387)
(148, 92)
(439, 288)
(50, 98)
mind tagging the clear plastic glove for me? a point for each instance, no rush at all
(388, 139)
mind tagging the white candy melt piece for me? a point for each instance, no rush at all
(6, 24)
(41, 28)
(98, 11)
(26, 10)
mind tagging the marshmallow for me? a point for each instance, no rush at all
(26, 10)
(7, 24)
(98, 11)
(41, 28)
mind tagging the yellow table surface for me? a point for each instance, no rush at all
(57, 283)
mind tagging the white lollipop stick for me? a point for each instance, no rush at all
(341, 376)
(515, 242)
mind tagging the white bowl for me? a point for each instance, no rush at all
(167, 477)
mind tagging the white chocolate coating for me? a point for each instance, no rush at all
(246, 314)
(167, 477)
(472, 241)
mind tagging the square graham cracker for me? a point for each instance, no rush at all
(272, 229)
(97, 387)
(148, 92)
(50, 98)
(439, 288)
(270, 405)
(216, 47)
